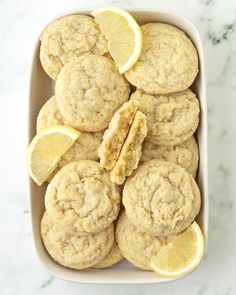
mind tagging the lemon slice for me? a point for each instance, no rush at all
(123, 34)
(46, 149)
(181, 255)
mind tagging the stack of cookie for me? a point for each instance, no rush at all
(136, 147)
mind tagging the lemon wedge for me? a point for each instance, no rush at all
(46, 149)
(123, 34)
(181, 255)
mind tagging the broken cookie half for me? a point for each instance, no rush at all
(120, 150)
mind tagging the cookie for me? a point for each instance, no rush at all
(89, 90)
(161, 198)
(84, 148)
(113, 257)
(49, 115)
(171, 119)
(168, 62)
(81, 195)
(184, 154)
(131, 150)
(67, 38)
(137, 246)
(115, 135)
(75, 250)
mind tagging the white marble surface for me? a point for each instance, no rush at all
(20, 270)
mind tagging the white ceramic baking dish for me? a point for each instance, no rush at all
(41, 90)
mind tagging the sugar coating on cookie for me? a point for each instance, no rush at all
(75, 250)
(168, 62)
(115, 135)
(161, 198)
(131, 151)
(49, 115)
(82, 195)
(171, 119)
(137, 246)
(89, 90)
(113, 257)
(67, 38)
(184, 154)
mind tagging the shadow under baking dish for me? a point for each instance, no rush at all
(41, 89)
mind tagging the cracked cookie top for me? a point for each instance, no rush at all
(68, 38)
(137, 246)
(168, 62)
(171, 119)
(74, 250)
(184, 154)
(81, 195)
(89, 90)
(161, 198)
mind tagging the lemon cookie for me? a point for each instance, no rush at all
(84, 148)
(184, 154)
(82, 195)
(137, 246)
(113, 257)
(131, 150)
(72, 249)
(49, 115)
(161, 198)
(115, 135)
(171, 119)
(68, 38)
(168, 62)
(89, 90)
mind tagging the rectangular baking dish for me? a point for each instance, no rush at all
(41, 90)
